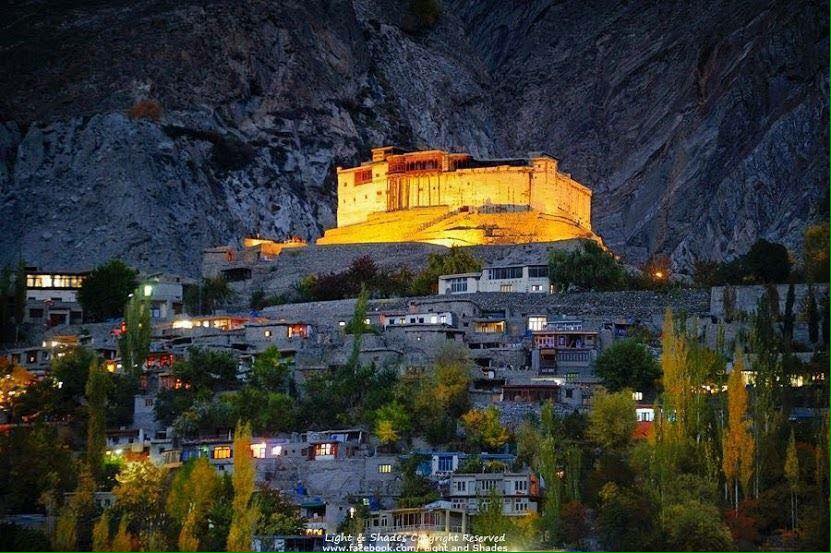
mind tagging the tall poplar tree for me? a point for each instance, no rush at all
(737, 444)
(792, 475)
(245, 513)
(96, 396)
(135, 343)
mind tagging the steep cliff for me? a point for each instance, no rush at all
(700, 126)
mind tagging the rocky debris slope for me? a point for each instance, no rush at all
(700, 126)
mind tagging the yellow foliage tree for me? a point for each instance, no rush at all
(385, 432)
(738, 445)
(483, 428)
(101, 533)
(191, 497)
(245, 514)
(123, 541)
(676, 380)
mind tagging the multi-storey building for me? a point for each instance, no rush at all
(518, 491)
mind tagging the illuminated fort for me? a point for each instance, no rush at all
(455, 199)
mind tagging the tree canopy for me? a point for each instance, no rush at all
(588, 267)
(105, 291)
(627, 364)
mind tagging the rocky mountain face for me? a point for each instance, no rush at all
(149, 130)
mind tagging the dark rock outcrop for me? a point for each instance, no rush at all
(700, 126)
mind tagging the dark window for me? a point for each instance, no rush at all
(501, 273)
(36, 313)
(538, 271)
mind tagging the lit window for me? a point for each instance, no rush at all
(341, 323)
(222, 452)
(637, 396)
(385, 469)
(434, 319)
(537, 323)
(506, 287)
(276, 450)
(258, 450)
(267, 334)
(324, 449)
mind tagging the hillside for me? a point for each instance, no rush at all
(700, 126)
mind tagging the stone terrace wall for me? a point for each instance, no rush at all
(280, 275)
(747, 297)
(644, 305)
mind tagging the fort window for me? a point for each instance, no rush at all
(385, 469)
(364, 176)
(506, 287)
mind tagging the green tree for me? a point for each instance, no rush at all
(268, 411)
(73, 530)
(627, 364)
(245, 512)
(66, 530)
(278, 514)
(588, 266)
(96, 394)
(626, 519)
(695, 526)
(416, 490)
(271, 371)
(483, 429)
(455, 261)
(788, 317)
(815, 252)
(612, 420)
(491, 519)
(392, 422)
(134, 344)
(792, 476)
(207, 296)
(71, 372)
(106, 290)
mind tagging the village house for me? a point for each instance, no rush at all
(52, 297)
(519, 492)
(564, 348)
(419, 528)
(531, 279)
(440, 464)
